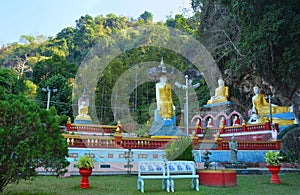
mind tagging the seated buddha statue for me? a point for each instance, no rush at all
(236, 121)
(83, 107)
(222, 122)
(221, 93)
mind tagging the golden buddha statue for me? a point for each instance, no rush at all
(164, 100)
(261, 107)
(221, 93)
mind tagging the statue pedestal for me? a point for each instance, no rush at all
(217, 104)
(226, 107)
(158, 129)
(165, 127)
(83, 119)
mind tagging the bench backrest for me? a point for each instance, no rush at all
(151, 167)
(178, 167)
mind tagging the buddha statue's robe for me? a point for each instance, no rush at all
(221, 95)
(262, 107)
(166, 103)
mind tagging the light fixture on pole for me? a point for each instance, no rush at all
(269, 97)
(49, 95)
(188, 84)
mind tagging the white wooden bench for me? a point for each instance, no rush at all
(152, 170)
(182, 170)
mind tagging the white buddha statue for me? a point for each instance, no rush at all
(83, 107)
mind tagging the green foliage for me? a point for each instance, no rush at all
(180, 149)
(47, 68)
(10, 82)
(290, 156)
(147, 17)
(29, 138)
(143, 130)
(30, 89)
(181, 23)
(273, 158)
(85, 162)
(208, 134)
(268, 36)
(61, 99)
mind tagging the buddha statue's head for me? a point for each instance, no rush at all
(256, 89)
(163, 78)
(221, 82)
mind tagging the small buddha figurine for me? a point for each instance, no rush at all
(261, 107)
(222, 122)
(236, 121)
(210, 123)
(221, 93)
(274, 133)
(198, 126)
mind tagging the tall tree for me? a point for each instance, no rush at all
(147, 17)
(10, 82)
(47, 68)
(29, 138)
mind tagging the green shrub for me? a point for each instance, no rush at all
(180, 149)
(29, 138)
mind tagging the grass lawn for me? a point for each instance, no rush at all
(122, 184)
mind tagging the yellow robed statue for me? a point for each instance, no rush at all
(165, 104)
(261, 107)
(83, 107)
(221, 93)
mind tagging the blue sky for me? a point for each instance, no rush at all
(48, 17)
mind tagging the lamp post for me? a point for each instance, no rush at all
(188, 84)
(129, 156)
(49, 95)
(269, 97)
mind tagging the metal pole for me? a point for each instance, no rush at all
(187, 105)
(49, 95)
(270, 108)
(48, 102)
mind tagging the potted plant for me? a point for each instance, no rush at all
(272, 159)
(85, 164)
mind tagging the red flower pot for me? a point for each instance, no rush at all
(85, 173)
(274, 170)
